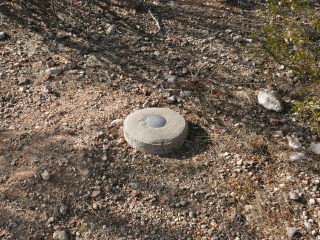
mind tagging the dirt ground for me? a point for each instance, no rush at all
(63, 167)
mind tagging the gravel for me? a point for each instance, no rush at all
(231, 177)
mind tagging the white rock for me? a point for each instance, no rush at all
(170, 78)
(53, 71)
(157, 53)
(225, 154)
(172, 99)
(60, 235)
(96, 205)
(237, 39)
(308, 225)
(185, 70)
(45, 175)
(248, 208)
(2, 35)
(184, 94)
(111, 30)
(116, 122)
(270, 100)
(294, 195)
(291, 231)
(297, 156)
(22, 89)
(315, 148)
(290, 73)
(295, 144)
(278, 133)
(312, 201)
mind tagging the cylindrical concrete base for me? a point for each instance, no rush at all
(155, 130)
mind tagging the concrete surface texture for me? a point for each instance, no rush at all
(155, 130)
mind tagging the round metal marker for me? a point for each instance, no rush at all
(155, 121)
(155, 130)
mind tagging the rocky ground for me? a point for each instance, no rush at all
(68, 69)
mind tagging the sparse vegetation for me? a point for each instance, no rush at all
(292, 36)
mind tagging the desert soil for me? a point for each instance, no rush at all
(65, 170)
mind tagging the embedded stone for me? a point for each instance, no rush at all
(155, 121)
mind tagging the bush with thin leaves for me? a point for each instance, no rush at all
(292, 36)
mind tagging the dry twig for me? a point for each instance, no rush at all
(155, 19)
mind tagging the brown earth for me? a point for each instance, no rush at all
(233, 178)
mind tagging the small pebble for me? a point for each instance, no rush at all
(22, 81)
(46, 89)
(237, 38)
(192, 215)
(315, 148)
(22, 89)
(95, 193)
(96, 205)
(2, 35)
(312, 201)
(291, 232)
(60, 235)
(184, 94)
(170, 78)
(183, 203)
(184, 71)
(297, 156)
(295, 144)
(63, 209)
(172, 99)
(111, 30)
(116, 122)
(45, 175)
(294, 196)
(53, 71)
(289, 74)
(210, 232)
(308, 225)
(157, 53)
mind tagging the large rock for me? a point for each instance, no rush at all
(270, 100)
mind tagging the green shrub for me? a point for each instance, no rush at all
(291, 34)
